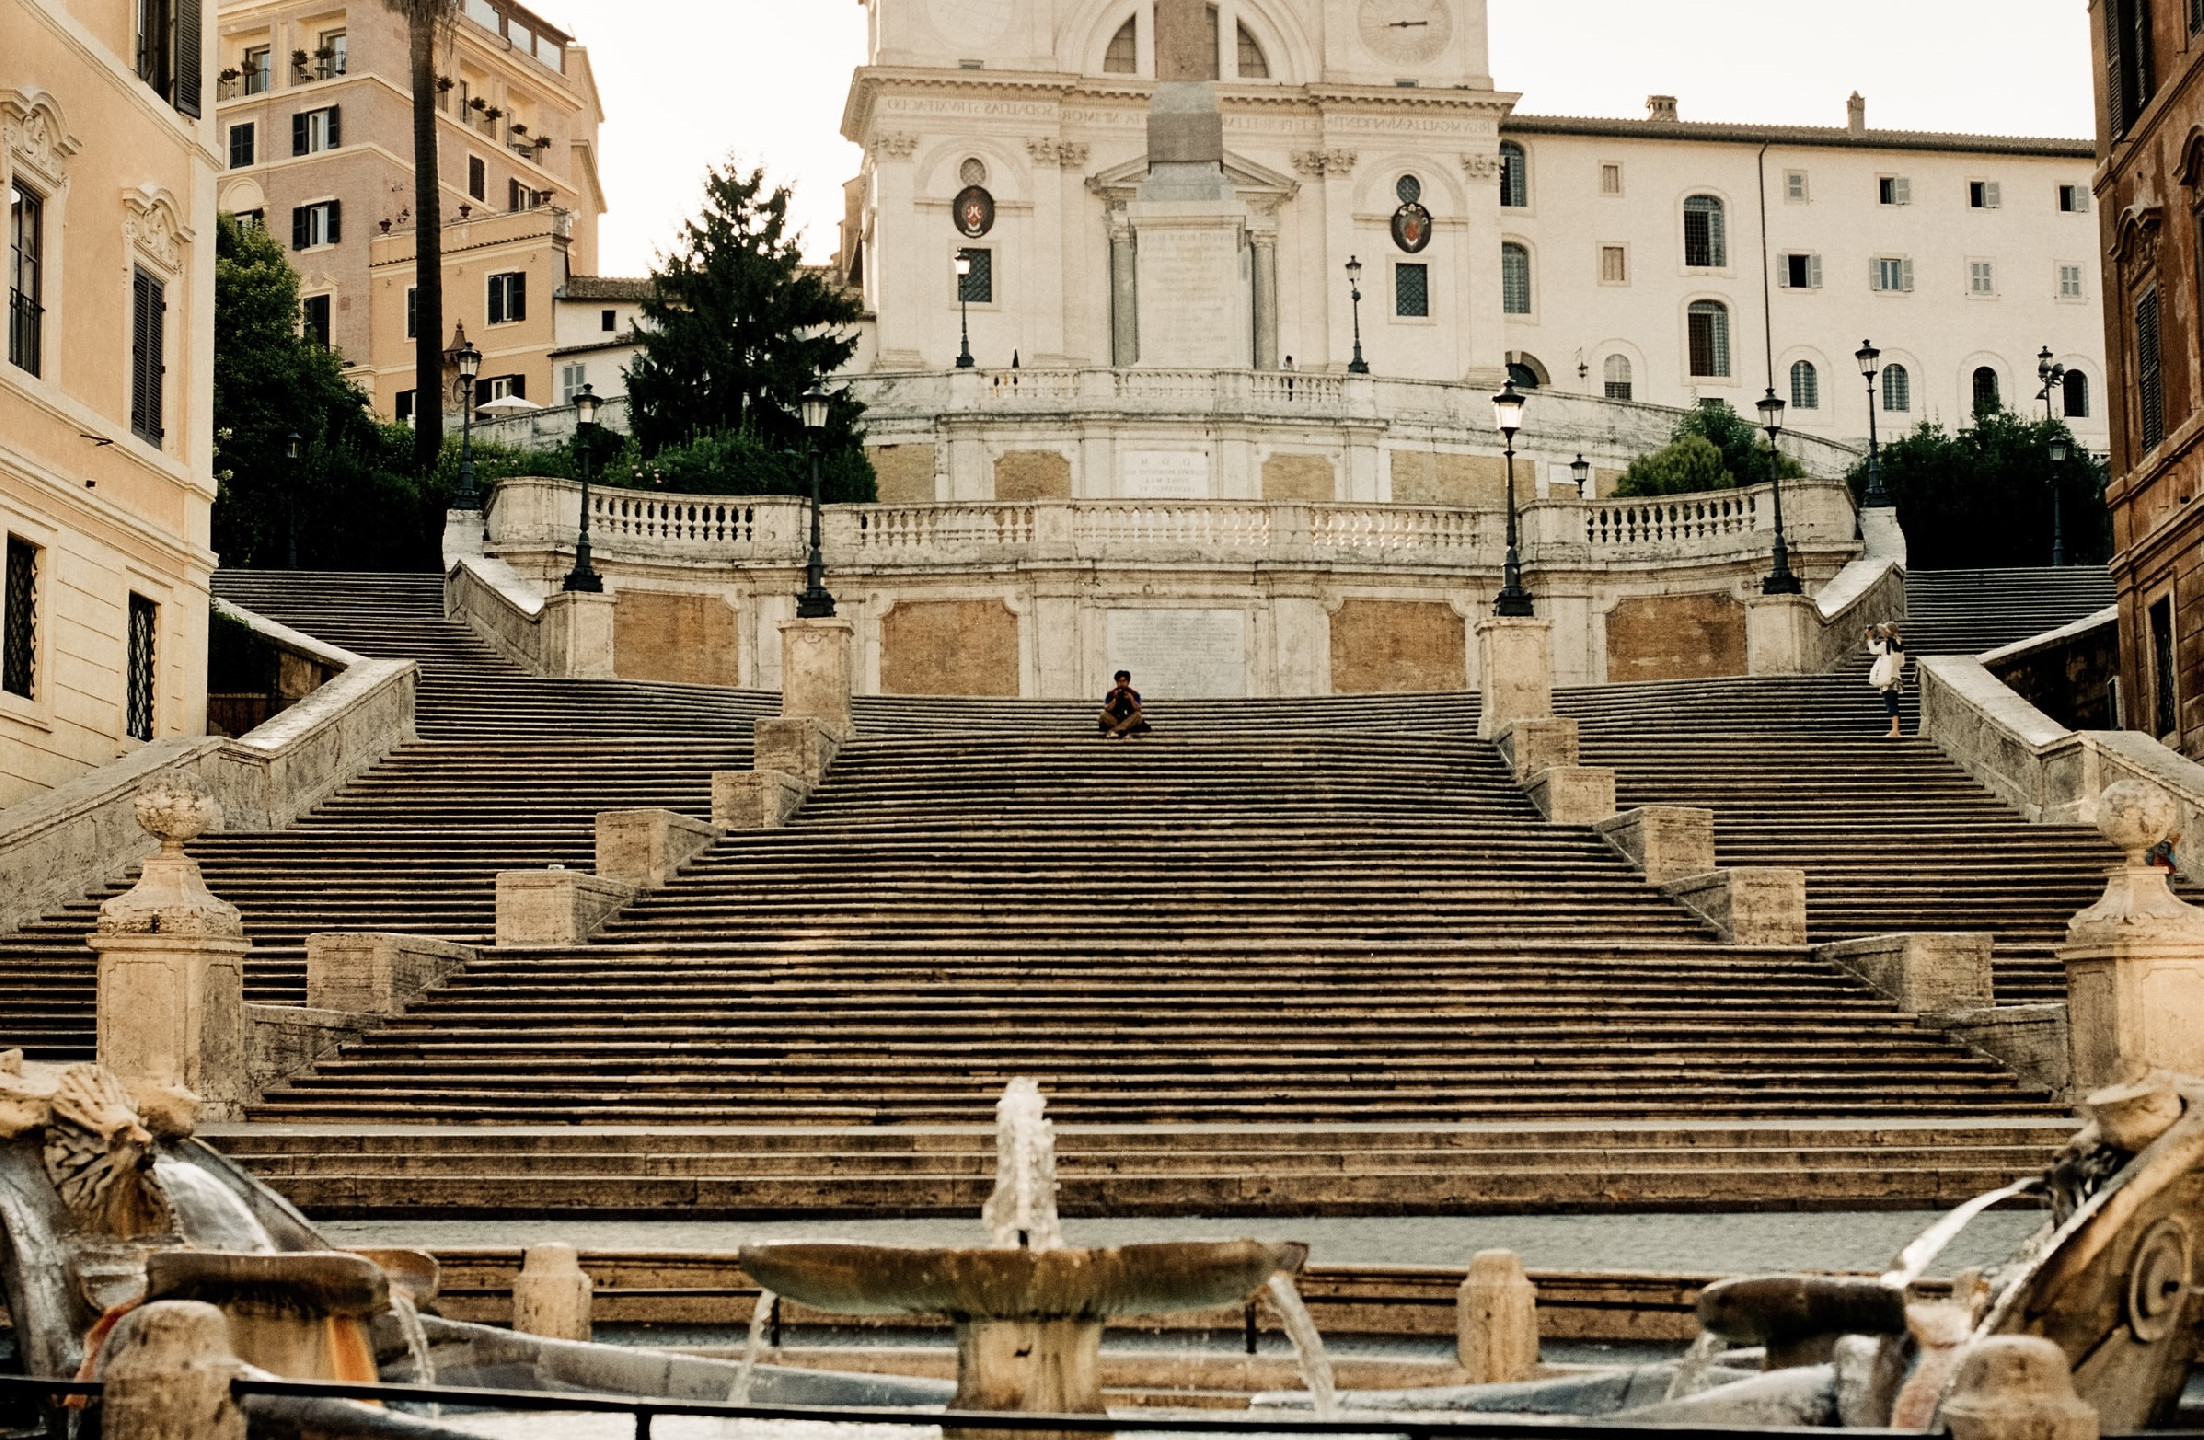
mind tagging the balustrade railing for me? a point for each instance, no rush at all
(1392, 529)
(1614, 523)
(912, 529)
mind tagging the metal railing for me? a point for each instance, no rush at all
(26, 333)
(645, 1412)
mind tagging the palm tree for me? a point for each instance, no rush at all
(427, 21)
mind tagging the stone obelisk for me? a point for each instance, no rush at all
(1190, 228)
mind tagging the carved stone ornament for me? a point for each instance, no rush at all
(155, 226)
(1481, 167)
(896, 144)
(36, 135)
(1067, 154)
(100, 1157)
(1324, 162)
(2137, 905)
(171, 896)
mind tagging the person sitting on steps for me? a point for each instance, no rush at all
(1121, 710)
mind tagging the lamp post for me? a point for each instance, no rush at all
(1515, 601)
(964, 313)
(584, 576)
(1871, 365)
(2053, 375)
(470, 365)
(1358, 365)
(1580, 470)
(1780, 580)
(291, 450)
(815, 603)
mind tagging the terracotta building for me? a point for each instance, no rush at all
(106, 390)
(316, 128)
(2150, 188)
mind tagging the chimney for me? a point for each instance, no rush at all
(1661, 108)
(1855, 111)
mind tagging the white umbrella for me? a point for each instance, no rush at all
(509, 405)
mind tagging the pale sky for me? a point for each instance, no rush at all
(688, 82)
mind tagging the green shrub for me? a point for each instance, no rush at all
(1712, 448)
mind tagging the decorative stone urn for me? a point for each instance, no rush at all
(2135, 959)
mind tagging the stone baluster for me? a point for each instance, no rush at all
(552, 1296)
(171, 990)
(1496, 1320)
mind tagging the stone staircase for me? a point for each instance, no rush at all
(1284, 955)
(1968, 612)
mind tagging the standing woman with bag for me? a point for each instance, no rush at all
(1888, 675)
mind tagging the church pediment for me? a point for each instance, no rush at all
(1248, 178)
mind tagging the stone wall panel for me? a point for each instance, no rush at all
(1439, 477)
(905, 472)
(1300, 477)
(1031, 475)
(1398, 646)
(689, 639)
(1675, 637)
(949, 647)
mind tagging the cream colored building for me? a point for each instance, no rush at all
(106, 390)
(316, 129)
(1575, 251)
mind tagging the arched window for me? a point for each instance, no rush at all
(1526, 372)
(1616, 372)
(1515, 176)
(2077, 395)
(1515, 279)
(1253, 64)
(1123, 57)
(1805, 386)
(1986, 398)
(1897, 390)
(1708, 325)
(1706, 241)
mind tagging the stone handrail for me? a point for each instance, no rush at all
(537, 516)
(83, 834)
(2049, 773)
(1864, 593)
(499, 606)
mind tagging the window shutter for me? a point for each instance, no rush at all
(1993, 195)
(517, 387)
(1782, 272)
(298, 133)
(336, 224)
(1874, 272)
(1905, 276)
(301, 227)
(1902, 190)
(335, 141)
(190, 75)
(2115, 70)
(518, 304)
(1813, 271)
(140, 321)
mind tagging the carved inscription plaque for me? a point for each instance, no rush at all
(1181, 654)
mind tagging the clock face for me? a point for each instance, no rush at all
(1410, 31)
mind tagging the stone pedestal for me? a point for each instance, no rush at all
(756, 799)
(577, 636)
(1748, 906)
(2014, 1387)
(1924, 973)
(1046, 1367)
(370, 974)
(171, 1007)
(1573, 794)
(1780, 631)
(646, 849)
(1194, 278)
(555, 907)
(816, 673)
(1496, 1320)
(1666, 843)
(1530, 746)
(168, 1367)
(2135, 959)
(551, 1295)
(802, 747)
(1515, 668)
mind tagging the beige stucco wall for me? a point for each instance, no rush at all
(1393, 646)
(949, 647)
(685, 638)
(531, 243)
(1676, 637)
(128, 183)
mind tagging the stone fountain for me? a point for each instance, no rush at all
(1029, 1312)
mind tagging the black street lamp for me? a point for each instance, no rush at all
(1871, 361)
(470, 365)
(964, 313)
(1515, 601)
(2053, 375)
(1358, 365)
(291, 450)
(584, 576)
(1780, 580)
(815, 603)
(1580, 470)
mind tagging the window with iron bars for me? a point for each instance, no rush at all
(26, 279)
(145, 618)
(19, 625)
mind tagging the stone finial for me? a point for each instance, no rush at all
(171, 897)
(1496, 1320)
(168, 1368)
(552, 1295)
(2017, 1387)
(175, 807)
(2137, 905)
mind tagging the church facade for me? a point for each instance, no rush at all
(1009, 140)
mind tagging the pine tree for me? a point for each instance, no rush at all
(738, 328)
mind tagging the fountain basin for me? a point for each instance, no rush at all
(302, 1316)
(850, 1279)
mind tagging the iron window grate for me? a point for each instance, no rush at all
(19, 640)
(144, 628)
(1412, 291)
(978, 287)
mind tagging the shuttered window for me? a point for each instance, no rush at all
(2128, 78)
(26, 279)
(148, 332)
(169, 55)
(2150, 384)
(1708, 328)
(313, 131)
(1706, 241)
(1799, 272)
(19, 638)
(138, 697)
(321, 224)
(509, 298)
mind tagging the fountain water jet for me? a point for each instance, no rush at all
(1308, 1347)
